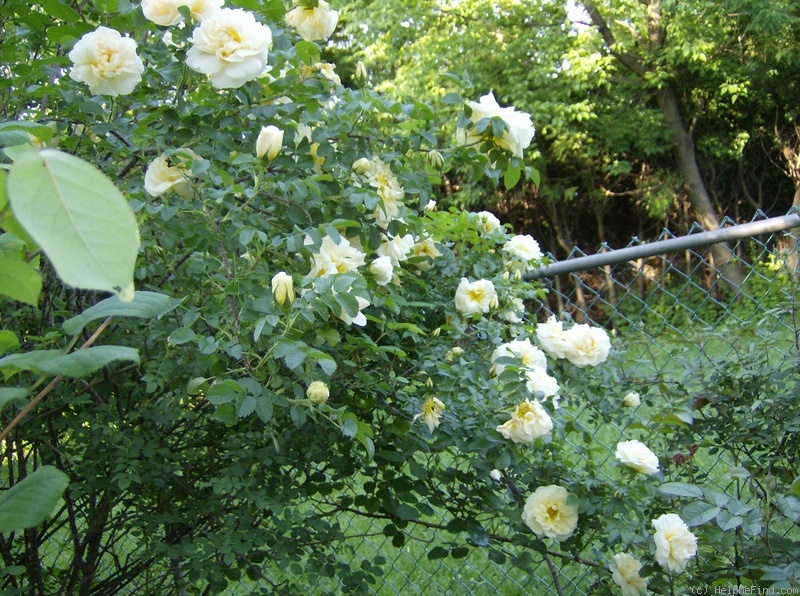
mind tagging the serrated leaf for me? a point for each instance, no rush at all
(79, 218)
(20, 281)
(224, 392)
(144, 305)
(247, 406)
(75, 364)
(181, 335)
(263, 408)
(29, 502)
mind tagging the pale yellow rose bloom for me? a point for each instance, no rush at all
(106, 62)
(313, 24)
(625, 573)
(675, 544)
(547, 513)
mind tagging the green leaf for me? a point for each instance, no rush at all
(59, 10)
(181, 335)
(75, 364)
(29, 502)
(699, 513)
(511, 176)
(10, 395)
(437, 552)
(79, 218)
(726, 521)
(224, 392)
(40, 131)
(246, 407)
(681, 489)
(8, 341)
(20, 281)
(145, 305)
(307, 51)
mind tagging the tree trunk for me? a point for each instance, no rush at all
(701, 204)
(668, 103)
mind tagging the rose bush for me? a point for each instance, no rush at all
(330, 347)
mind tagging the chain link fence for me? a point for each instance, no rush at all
(655, 304)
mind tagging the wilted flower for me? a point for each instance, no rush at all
(511, 315)
(313, 24)
(318, 392)
(106, 62)
(396, 249)
(625, 573)
(636, 455)
(382, 269)
(431, 413)
(519, 128)
(586, 346)
(523, 249)
(529, 422)
(335, 258)
(675, 544)
(361, 166)
(547, 513)
(359, 319)
(631, 400)
(283, 288)
(326, 69)
(165, 12)
(542, 385)
(488, 222)
(269, 142)
(425, 248)
(380, 177)
(529, 355)
(231, 47)
(161, 176)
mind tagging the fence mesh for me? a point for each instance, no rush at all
(648, 304)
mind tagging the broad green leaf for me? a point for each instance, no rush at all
(23, 129)
(224, 392)
(20, 281)
(726, 521)
(699, 513)
(145, 305)
(8, 341)
(75, 364)
(511, 176)
(79, 218)
(681, 489)
(181, 335)
(10, 395)
(29, 502)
